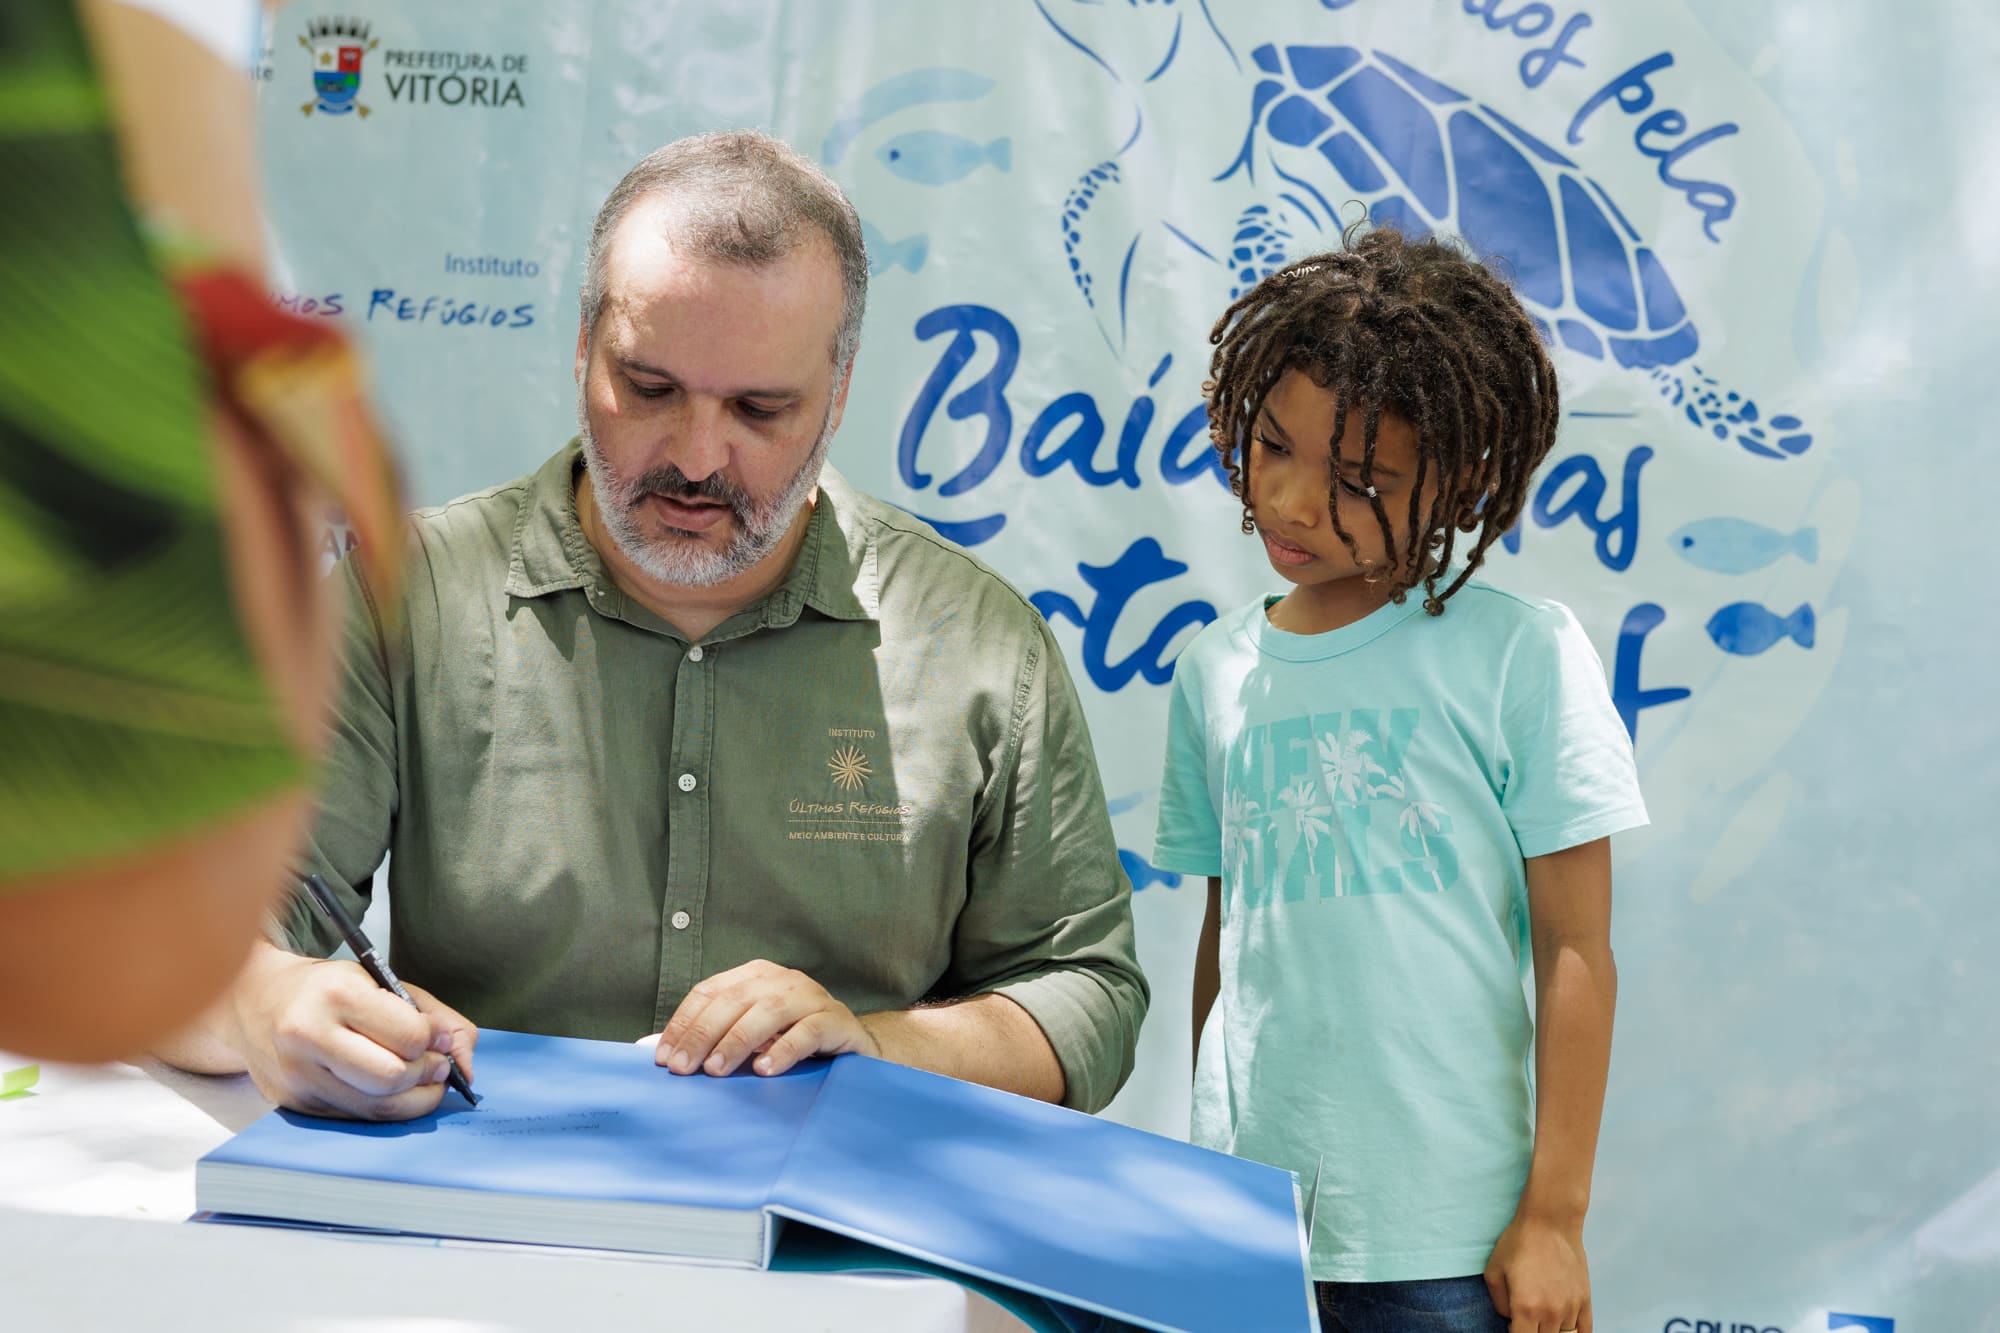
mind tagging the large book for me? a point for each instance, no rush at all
(589, 1143)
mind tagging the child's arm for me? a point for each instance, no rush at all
(1538, 1274)
(1207, 961)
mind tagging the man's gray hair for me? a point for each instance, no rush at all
(740, 197)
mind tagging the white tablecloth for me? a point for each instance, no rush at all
(97, 1175)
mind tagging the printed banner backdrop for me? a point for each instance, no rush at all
(1757, 236)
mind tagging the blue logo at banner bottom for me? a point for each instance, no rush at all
(1867, 1323)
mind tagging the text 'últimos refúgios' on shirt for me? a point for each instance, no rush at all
(834, 817)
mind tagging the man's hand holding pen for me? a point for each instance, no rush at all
(324, 1038)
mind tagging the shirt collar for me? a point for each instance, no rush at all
(550, 552)
(844, 582)
(835, 571)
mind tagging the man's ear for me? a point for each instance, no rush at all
(582, 350)
(840, 396)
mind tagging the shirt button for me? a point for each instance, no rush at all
(685, 782)
(680, 920)
(694, 653)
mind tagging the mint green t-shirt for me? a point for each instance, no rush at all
(1368, 797)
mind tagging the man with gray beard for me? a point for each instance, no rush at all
(682, 738)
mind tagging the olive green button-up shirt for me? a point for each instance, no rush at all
(878, 774)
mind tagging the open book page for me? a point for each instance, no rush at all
(1076, 1209)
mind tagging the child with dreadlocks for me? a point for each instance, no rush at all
(1401, 783)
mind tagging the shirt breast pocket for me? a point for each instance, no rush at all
(581, 720)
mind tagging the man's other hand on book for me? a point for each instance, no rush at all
(320, 1036)
(770, 1016)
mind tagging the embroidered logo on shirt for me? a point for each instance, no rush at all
(831, 818)
(849, 768)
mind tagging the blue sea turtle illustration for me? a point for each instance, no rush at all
(1426, 157)
(1334, 123)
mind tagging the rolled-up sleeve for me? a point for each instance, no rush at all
(1048, 916)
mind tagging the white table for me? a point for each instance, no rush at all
(97, 1175)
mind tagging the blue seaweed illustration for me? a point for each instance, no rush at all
(1075, 206)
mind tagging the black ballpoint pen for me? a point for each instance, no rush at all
(377, 966)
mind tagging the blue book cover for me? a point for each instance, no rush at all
(573, 1143)
(590, 1143)
(1080, 1210)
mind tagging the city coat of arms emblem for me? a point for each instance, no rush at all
(337, 47)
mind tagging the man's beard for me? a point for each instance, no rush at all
(683, 559)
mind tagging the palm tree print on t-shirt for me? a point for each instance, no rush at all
(1320, 806)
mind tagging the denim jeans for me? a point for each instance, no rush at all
(1441, 1305)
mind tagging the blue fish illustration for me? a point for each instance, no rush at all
(884, 254)
(917, 87)
(1738, 546)
(1747, 629)
(935, 157)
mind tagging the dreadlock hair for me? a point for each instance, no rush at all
(1419, 328)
